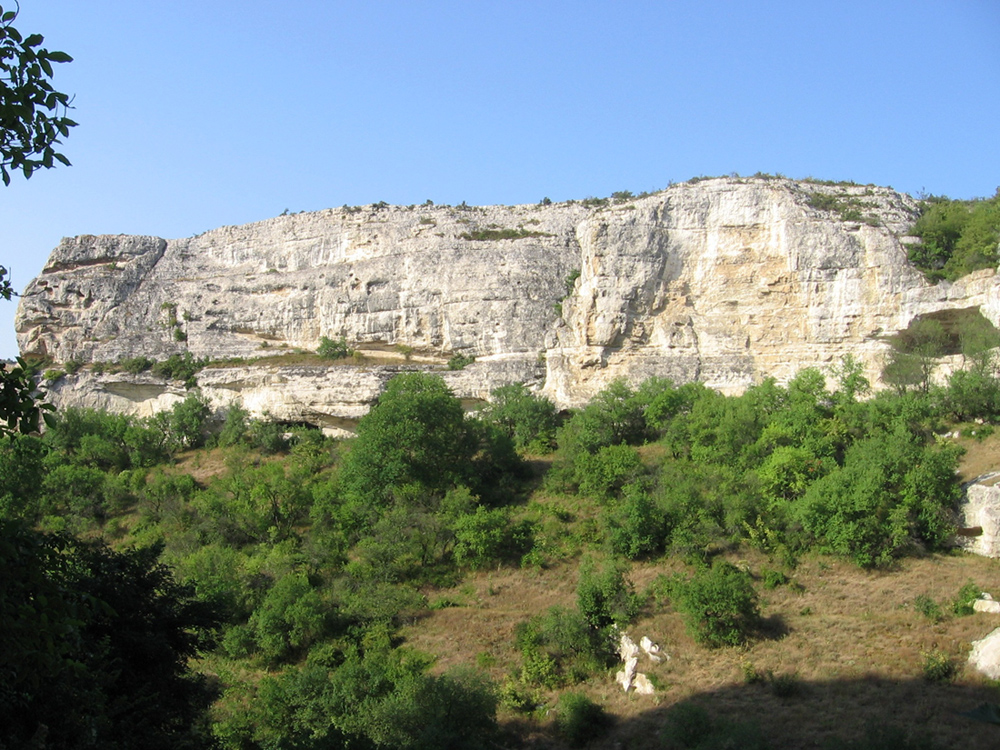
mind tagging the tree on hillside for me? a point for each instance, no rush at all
(913, 355)
(416, 444)
(94, 646)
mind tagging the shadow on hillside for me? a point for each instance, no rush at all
(795, 715)
(773, 628)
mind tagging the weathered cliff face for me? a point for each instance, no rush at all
(724, 280)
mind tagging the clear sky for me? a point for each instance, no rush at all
(198, 114)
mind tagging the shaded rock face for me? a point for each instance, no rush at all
(979, 514)
(985, 655)
(726, 281)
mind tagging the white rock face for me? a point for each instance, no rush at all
(986, 603)
(980, 512)
(643, 685)
(726, 281)
(985, 656)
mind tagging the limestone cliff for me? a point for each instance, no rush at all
(726, 280)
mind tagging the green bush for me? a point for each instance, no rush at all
(266, 436)
(719, 606)
(416, 441)
(773, 578)
(187, 421)
(179, 367)
(890, 490)
(487, 537)
(579, 719)
(603, 594)
(460, 361)
(526, 418)
(957, 237)
(603, 474)
(937, 666)
(961, 605)
(635, 526)
(333, 349)
(561, 647)
(235, 426)
(135, 365)
(372, 697)
(291, 618)
(487, 235)
(928, 608)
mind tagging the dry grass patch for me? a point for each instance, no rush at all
(981, 456)
(841, 648)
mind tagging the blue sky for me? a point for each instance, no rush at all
(195, 115)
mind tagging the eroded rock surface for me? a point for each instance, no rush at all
(726, 281)
(979, 518)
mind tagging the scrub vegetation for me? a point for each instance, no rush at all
(447, 579)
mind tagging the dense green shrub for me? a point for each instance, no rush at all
(961, 605)
(460, 361)
(488, 536)
(972, 395)
(561, 647)
(187, 421)
(266, 436)
(135, 365)
(234, 428)
(957, 237)
(526, 418)
(291, 617)
(333, 348)
(416, 442)
(635, 526)
(604, 595)
(890, 490)
(613, 418)
(376, 698)
(179, 366)
(603, 474)
(414, 434)
(668, 402)
(719, 605)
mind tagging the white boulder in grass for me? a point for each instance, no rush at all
(985, 656)
(652, 650)
(986, 603)
(643, 686)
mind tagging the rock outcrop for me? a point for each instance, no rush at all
(725, 280)
(985, 655)
(979, 517)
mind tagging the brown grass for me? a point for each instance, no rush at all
(850, 639)
(981, 456)
(850, 642)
